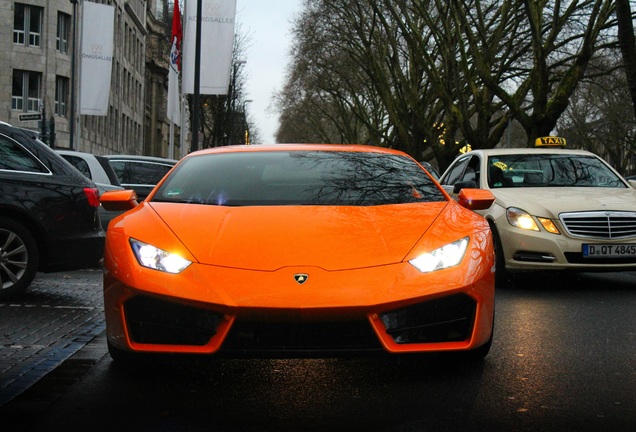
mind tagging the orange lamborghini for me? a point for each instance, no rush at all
(298, 250)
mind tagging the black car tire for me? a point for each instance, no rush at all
(19, 258)
(119, 356)
(135, 361)
(503, 278)
(481, 352)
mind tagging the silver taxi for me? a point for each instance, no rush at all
(555, 208)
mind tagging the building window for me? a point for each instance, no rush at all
(63, 32)
(25, 95)
(61, 95)
(27, 25)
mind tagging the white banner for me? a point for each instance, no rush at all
(217, 45)
(96, 60)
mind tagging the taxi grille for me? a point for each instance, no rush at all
(600, 225)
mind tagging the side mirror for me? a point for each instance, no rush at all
(475, 199)
(119, 200)
(464, 184)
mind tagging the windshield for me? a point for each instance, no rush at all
(550, 170)
(298, 178)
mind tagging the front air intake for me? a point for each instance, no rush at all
(448, 319)
(155, 321)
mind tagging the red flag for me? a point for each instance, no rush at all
(177, 35)
(174, 107)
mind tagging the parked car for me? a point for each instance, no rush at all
(48, 213)
(556, 209)
(140, 173)
(98, 169)
(298, 249)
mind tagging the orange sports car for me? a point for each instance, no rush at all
(298, 250)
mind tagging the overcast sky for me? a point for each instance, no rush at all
(267, 24)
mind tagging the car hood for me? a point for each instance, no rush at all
(550, 202)
(269, 238)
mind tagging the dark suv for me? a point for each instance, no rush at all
(48, 213)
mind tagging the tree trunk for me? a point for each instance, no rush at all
(628, 45)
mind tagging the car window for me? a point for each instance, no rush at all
(554, 170)
(139, 172)
(497, 178)
(14, 157)
(455, 173)
(80, 164)
(472, 171)
(299, 178)
(108, 169)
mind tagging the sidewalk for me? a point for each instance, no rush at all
(60, 314)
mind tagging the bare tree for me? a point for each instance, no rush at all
(431, 76)
(628, 45)
(224, 118)
(506, 60)
(327, 98)
(600, 118)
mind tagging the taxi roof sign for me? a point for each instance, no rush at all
(550, 141)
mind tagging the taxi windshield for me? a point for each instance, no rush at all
(550, 170)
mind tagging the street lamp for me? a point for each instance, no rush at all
(73, 55)
(245, 124)
(197, 80)
(233, 97)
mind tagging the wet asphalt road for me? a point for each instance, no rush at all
(563, 359)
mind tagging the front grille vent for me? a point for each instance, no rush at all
(446, 319)
(152, 320)
(600, 225)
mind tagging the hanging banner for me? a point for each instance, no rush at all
(96, 61)
(217, 45)
(174, 105)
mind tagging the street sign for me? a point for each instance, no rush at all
(30, 116)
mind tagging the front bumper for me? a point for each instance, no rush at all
(232, 312)
(154, 322)
(526, 250)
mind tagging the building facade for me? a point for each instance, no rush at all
(39, 39)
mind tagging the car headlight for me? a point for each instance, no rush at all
(158, 259)
(444, 257)
(549, 225)
(521, 219)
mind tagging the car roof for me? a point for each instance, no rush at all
(111, 176)
(527, 150)
(140, 158)
(299, 147)
(30, 132)
(53, 161)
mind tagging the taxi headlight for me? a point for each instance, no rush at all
(521, 219)
(444, 257)
(158, 259)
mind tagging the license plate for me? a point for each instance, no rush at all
(609, 250)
